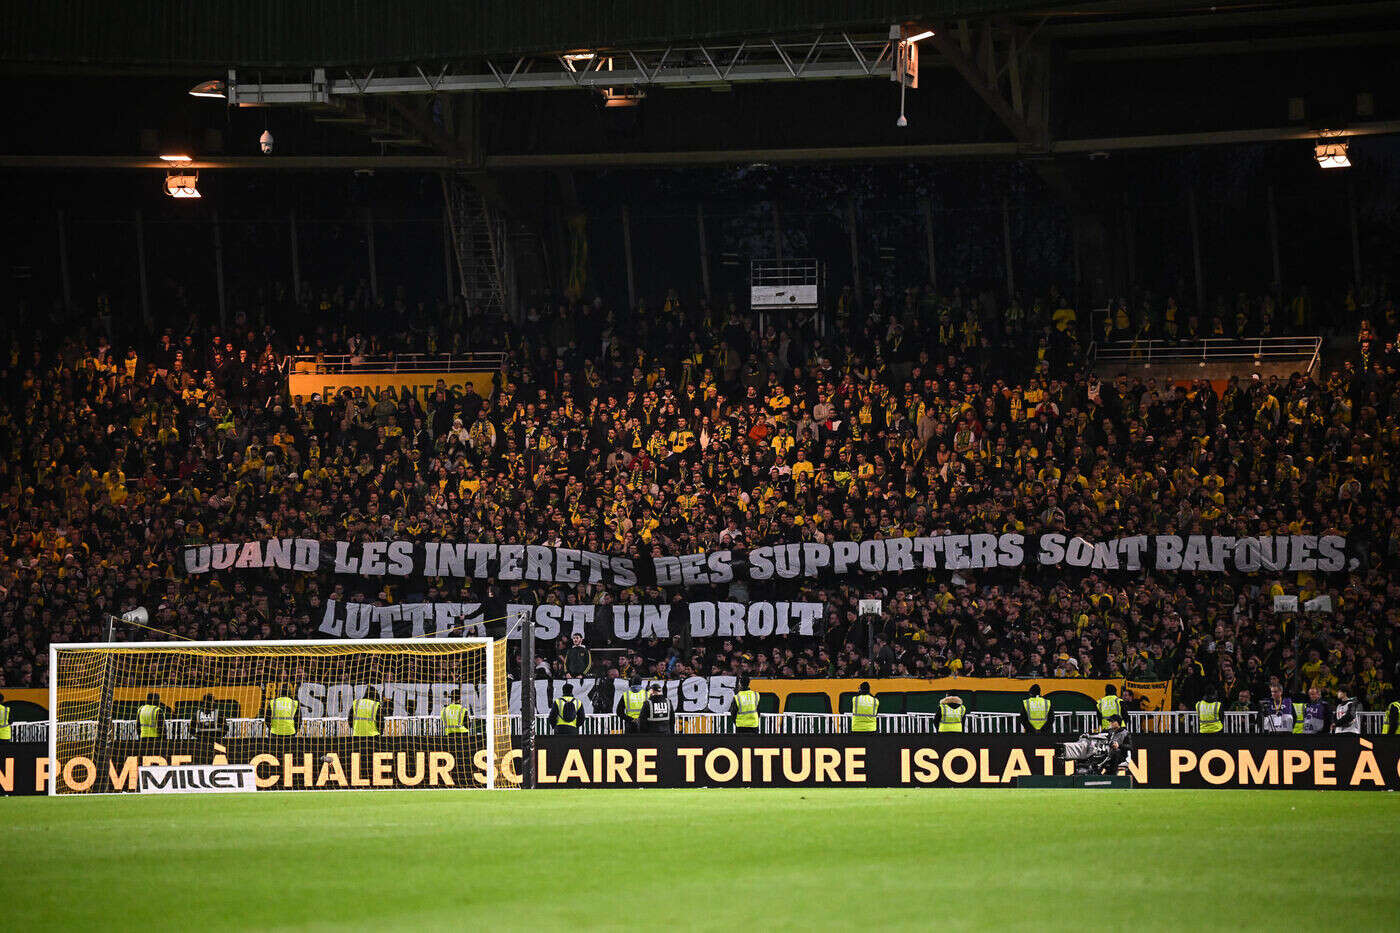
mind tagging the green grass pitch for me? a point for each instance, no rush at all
(731, 859)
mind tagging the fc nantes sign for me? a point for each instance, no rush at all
(419, 385)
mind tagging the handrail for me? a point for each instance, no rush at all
(1065, 722)
(341, 363)
(1257, 350)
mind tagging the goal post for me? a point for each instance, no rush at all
(437, 714)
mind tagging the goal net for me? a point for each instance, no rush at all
(386, 713)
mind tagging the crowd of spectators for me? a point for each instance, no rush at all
(682, 426)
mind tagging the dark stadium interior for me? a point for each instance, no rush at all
(723, 464)
(1172, 193)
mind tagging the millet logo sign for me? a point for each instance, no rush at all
(198, 779)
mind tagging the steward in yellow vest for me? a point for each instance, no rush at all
(1110, 705)
(567, 713)
(1208, 714)
(454, 719)
(150, 718)
(864, 710)
(4, 720)
(1392, 719)
(744, 707)
(366, 715)
(950, 714)
(630, 706)
(1035, 712)
(283, 714)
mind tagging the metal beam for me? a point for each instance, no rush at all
(1076, 27)
(1140, 52)
(1215, 138)
(760, 60)
(275, 163)
(980, 73)
(964, 151)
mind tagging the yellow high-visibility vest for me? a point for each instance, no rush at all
(864, 709)
(1110, 706)
(1037, 711)
(4, 723)
(1299, 713)
(561, 704)
(363, 722)
(1392, 708)
(454, 718)
(747, 717)
(1208, 715)
(950, 717)
(283, 716)
(147, 717)
(632, 702)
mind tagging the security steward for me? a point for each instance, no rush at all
(1110, 705)
(744, 707)
(1035, 712)
(1208, 714)
(567, 713)
(658, 713)
(1391, 726)
(630, 706)
(454, 719)
(366, 717)
(454, 726)
(283, 720)
(950, 713)
(207, 726)
(4, 720)
(150, 722)
(864, 710)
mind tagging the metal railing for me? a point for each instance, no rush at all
(1258, 350)
(343, 363)
(1071, 722)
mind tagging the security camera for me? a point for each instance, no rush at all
(265, 142)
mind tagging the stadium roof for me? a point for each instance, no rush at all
(434, 84)
(327, 33)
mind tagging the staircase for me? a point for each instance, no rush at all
(478, 243)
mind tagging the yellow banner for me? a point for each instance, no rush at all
(419, 385)
(28, 704)
(1155, 696)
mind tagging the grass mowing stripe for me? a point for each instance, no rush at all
(782, 859)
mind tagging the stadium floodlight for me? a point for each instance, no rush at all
(904, 64)
(182, 185)
(215, 89)
(175, 157)
(571, 59)
(612, 97)
(1332, 154)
